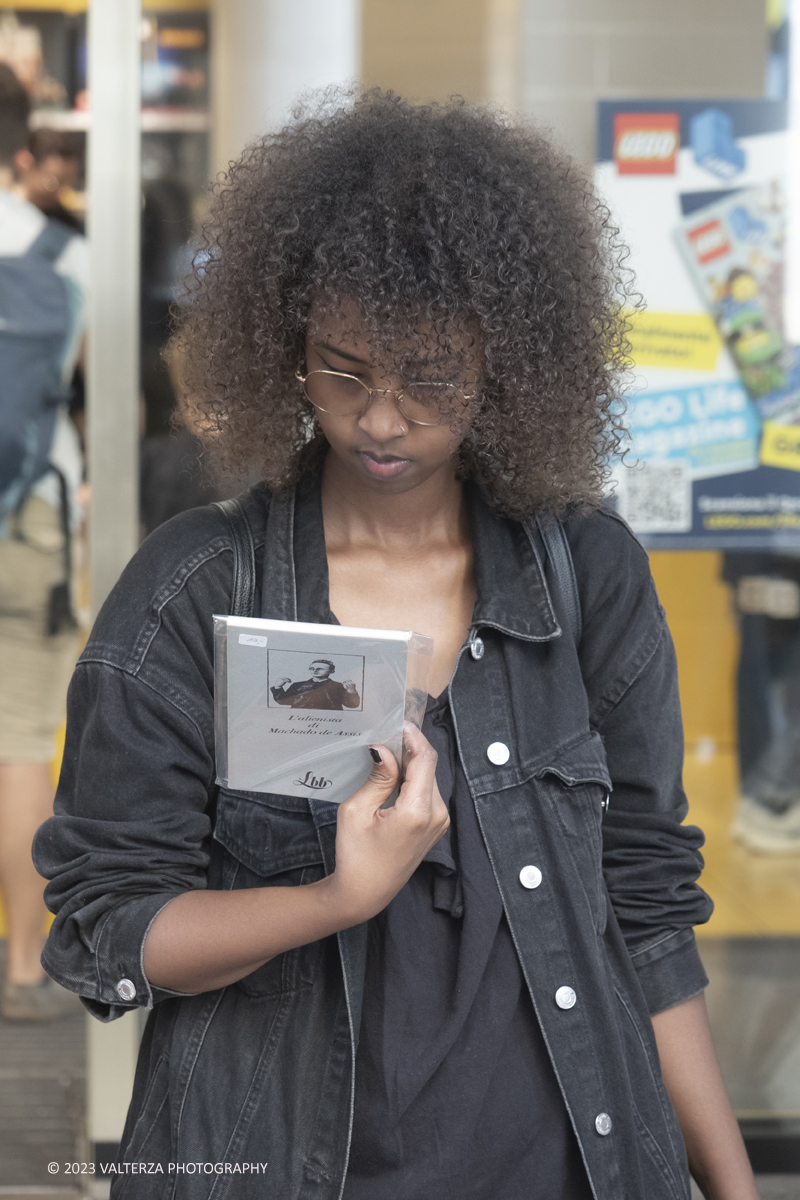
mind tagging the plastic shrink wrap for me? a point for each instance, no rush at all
(298, 705)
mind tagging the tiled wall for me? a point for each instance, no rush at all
(575, 52)
(555, 58)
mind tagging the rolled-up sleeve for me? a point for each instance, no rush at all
(130, 832)
(651, 859)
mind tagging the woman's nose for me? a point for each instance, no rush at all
(383, 419)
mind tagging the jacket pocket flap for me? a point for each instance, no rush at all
(580, 762)
(268, 833)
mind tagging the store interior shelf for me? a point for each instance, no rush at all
(154, 120)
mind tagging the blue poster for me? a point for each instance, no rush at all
(712, 428)
(698, 189)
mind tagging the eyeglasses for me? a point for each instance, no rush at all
(343, 395)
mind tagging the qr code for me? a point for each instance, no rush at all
(656, 497)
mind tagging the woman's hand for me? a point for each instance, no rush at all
(209, 939)
(378, 849)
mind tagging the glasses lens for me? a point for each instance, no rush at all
(334, 393)
(431, 403)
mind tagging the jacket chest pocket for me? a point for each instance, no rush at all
(271, 841)
(575, 788)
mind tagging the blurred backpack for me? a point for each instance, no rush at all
(34, 326)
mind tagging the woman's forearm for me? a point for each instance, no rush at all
(717, 1158)
(206, 940)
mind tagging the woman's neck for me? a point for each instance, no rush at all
(432, 513)
(401, 561)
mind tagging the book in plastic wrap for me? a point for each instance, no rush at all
(297, 705)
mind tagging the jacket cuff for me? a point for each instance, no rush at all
(120, 984)
(669, 969)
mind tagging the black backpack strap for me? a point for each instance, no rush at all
(244, 558)
(51, 241)
(560, 555)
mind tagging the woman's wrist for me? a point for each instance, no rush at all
(342, 907)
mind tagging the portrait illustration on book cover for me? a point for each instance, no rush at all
(298, 680)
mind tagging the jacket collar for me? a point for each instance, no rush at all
(511, 592)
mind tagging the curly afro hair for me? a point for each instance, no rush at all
(442, 216)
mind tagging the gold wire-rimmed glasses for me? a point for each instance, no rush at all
(343, 395)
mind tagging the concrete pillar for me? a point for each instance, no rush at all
(113, 336)
(113, 410)
(111, 1052)
(267, 52)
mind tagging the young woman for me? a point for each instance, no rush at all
(409, 319)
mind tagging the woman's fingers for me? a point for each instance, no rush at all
(420, 774)
(377, 848)
(419, 796)
(380, 782)
(419, 783)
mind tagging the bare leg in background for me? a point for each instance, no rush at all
(26, 800)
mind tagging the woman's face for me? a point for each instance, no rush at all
(379, 443)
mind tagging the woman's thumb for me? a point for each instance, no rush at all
(381, 779)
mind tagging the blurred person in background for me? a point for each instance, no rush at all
(44, 271)
(47, 169)
(171, 479)
(766, 592)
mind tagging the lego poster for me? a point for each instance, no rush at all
(698, 191)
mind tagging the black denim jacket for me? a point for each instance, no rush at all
(262, 1071)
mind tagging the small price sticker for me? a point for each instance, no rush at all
(252, 639)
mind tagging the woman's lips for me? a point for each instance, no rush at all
(384, 467)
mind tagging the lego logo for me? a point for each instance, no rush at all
(647, 144)
(709, 241)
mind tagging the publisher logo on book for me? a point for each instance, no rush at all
(317, 783)
(646, 143)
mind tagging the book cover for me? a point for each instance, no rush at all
(297, 705)
(734, 248)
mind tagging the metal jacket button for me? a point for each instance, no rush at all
(498, 753)
(125, 990)
(530, 877)
(476, 647)
(565, 998)
(602, 1124)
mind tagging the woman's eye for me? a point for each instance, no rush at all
(338, 370)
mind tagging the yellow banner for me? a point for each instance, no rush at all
(665, 339)
(780, 446)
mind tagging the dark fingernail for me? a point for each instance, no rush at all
(375, 756)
